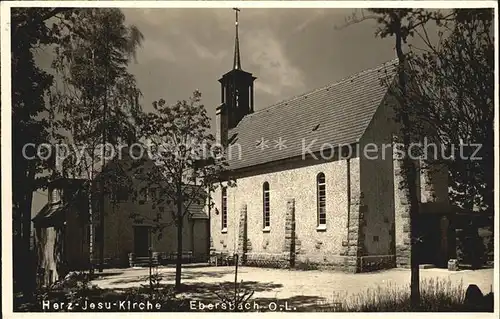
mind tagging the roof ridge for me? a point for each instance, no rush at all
(343, 80)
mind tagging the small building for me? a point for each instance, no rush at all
(131, 230)
(60, 230)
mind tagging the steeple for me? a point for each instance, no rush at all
(236, 93)
(237, 58)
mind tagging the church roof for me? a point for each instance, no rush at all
(337, 114)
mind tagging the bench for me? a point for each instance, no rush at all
(221, 258)
(187, 256)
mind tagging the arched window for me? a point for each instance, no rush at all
(265, 206)
(321, 198)
(224, 208)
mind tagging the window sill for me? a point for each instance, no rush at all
(321, 228)
(266, 229)
(224, 230)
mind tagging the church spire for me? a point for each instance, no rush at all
(236, 92)
(237, 59)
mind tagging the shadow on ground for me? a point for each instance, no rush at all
(107, 274)
(205, 293)
(170, 276)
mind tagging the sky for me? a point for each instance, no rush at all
(290, 51)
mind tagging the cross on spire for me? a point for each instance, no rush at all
(237, 59)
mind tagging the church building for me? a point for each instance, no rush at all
(317, 180)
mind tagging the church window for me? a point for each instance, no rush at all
(321, 200)
(224, 208)
(266, 207)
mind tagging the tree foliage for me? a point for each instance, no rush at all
(449, 93)
(99, 101)
(38, 99)
(452, 94)
(445, 94)
(188, 162)
(30, 31)
(97, 94)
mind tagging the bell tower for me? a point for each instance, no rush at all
(237, 96)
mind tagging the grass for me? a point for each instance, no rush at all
(435, 295)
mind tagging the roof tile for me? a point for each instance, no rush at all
(337, 114)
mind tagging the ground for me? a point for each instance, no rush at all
(300, 288)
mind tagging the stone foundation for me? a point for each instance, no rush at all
(347, 264)
(268, 260)
(373, 263)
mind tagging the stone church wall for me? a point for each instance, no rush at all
(368, 215)
(377, 189)
(293, 206)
